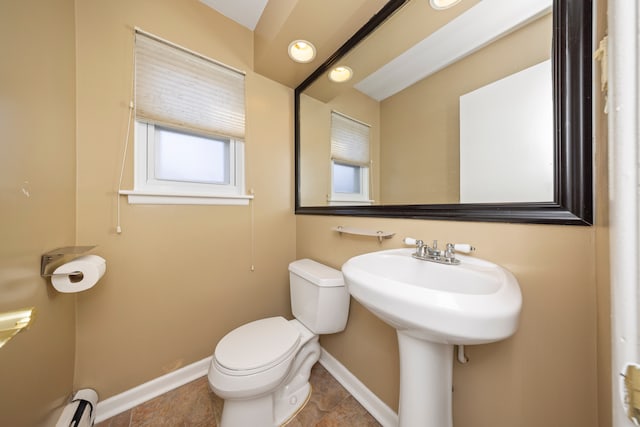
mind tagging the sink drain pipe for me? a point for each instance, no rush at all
(462, 358)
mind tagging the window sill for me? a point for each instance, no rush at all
(150, 198)
(333, 202)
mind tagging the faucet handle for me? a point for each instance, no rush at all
(465, 248)
(450, 252)
(412, 242)
(421, 248)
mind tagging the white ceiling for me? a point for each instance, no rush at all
(244, 12)
(275, 24)
(472, 30)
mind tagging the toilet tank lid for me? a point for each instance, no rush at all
(316, 273)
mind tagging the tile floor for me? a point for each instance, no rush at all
(194, 404)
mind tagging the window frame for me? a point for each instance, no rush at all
(149, 189)
(350, 146)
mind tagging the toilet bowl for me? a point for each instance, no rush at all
(261, 369)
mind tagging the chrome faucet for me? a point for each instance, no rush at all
(432, 253)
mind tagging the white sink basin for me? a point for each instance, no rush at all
(473, 302)
(433, 307)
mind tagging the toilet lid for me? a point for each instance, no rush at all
(259, 344)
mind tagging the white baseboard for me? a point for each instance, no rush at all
(372, 403)
(128, 399)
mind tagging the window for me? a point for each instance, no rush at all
(350, 161)
(189, 139)
(183, 163)
(347, 178)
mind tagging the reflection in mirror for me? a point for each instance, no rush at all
(459, 105)
(506, 139)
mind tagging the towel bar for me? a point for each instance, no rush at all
(362, 232)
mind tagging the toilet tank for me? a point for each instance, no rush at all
(319, 297)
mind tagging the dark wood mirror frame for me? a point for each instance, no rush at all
(572, 91)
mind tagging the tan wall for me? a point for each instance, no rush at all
(37, 195)
(315, 152)
(420, 126)
(545, 375)
(178, 277)
(315, 142)
(555, 370)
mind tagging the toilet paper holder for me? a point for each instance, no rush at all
(56, 254)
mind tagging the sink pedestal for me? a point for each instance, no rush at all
(426, 376)
(428, 303)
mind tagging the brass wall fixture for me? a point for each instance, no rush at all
(13, 322)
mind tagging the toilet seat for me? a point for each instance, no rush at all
(256, 346)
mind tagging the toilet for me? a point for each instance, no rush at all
(261, 369)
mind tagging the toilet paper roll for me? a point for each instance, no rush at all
(92, 268)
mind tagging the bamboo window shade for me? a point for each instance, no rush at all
(176, 87)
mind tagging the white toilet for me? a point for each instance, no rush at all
(262, 369)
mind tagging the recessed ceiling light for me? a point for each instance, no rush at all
(340, 74)
(302, 51)
(443, 4)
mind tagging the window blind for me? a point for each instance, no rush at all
(349, 140)
(176, 87)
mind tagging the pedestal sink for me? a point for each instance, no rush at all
(433, 307)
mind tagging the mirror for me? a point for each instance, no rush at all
(460, 119)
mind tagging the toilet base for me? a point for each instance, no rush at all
(259, 412)
(254, 412)
(288, 407)
(278, 407)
